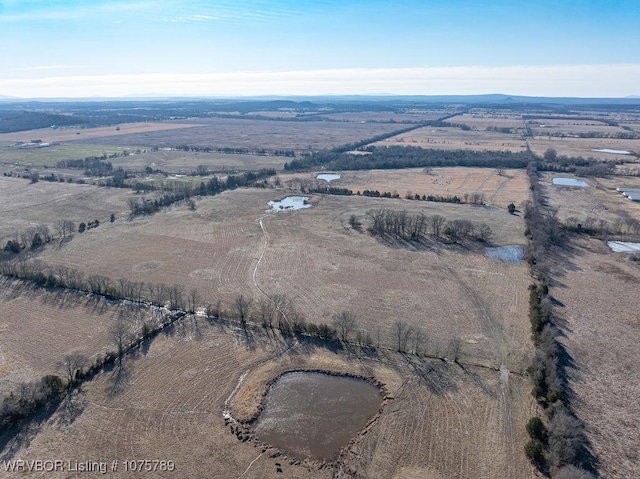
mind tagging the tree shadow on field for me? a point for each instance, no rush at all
(417, 246)
(561, 260)
(71, 407)
(96, 304)
(18, 437)
(118, 380)
(59, 298)
(434, 373)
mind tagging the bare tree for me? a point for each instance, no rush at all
(402, 332)
(174, 294)
(266, 313)
(120, 336)
(99, 284)
(437, 223)
(65, 227)
(455, 346)
(134, 205)
(345, 323)
(419, 339)
(71, 364)
(193, 299)
(243, 305)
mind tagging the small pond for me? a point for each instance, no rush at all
(315, 415)
(507, 254)
(290, 203)
(623, 247)
(570, 182)
(328, 177)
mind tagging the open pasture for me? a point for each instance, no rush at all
(39, 327)
(499, 190)
(16, 159)
(169, 402)
(387, 116)
(601, 201)
(300, 136)
(600, 306)
(324, 266)
(23, 205)
(185, 162)
(454, 295)
(584, 147)
(482, 120)
(597, 291)
(457, 139)
(64, 134)
(573, 127)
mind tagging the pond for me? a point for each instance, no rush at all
(570, 182)
(290, 203)
(507, 254)
(314, 415)
(328, 177)
(623, 247)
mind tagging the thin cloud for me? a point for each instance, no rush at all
(558, 80)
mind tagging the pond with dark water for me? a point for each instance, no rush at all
(314, 415)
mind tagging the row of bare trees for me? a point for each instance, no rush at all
(401, 224)
(558, 445)
(598, 226)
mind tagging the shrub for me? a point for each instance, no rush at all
(537, 429)
(534, 450)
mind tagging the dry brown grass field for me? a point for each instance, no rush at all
(376, 116)
(251, 134)
(483, 120)
(597, 291)
(23, 205)
(455, 139)
(584, 147)
(185, 162)
(499, 190)
(324, 266)
(600, 306)
(39, 327)
(600, 201)
(439, 421)
(51, 135)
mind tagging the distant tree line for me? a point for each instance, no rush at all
(394, 157)
(167, 194)
(619, 135)
(237, 150)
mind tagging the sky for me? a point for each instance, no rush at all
(114, 48)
